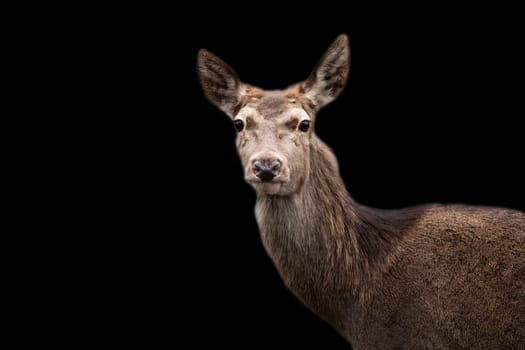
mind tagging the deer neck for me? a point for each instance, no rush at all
(316, 238)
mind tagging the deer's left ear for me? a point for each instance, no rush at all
(328, 78)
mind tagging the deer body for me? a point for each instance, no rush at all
(428, 277)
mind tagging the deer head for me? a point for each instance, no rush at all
(275, 128)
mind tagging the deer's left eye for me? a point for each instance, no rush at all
(304, 126)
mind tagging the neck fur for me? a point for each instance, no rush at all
(326, 247)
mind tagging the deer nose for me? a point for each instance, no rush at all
(266, 169)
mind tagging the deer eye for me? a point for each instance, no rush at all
(238, 124)
(304, 126)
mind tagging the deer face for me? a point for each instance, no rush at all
(273, 141)
(274, 128)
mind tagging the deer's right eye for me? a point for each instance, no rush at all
(238, 124)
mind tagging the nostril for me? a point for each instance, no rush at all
(257, 166)
(266, 170)
(275, 166)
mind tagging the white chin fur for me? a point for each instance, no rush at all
(268, 188)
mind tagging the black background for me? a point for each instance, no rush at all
(430, 114)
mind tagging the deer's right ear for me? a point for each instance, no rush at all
(219, 82)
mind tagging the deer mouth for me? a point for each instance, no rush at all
(272, 187)
(259, 181)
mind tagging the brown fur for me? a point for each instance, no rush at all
(428, 277)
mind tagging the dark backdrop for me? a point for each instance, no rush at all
(431, 113)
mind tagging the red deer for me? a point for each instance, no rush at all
(428, 277)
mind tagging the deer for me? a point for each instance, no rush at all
(433, 276)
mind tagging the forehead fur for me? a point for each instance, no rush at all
(271, 104)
